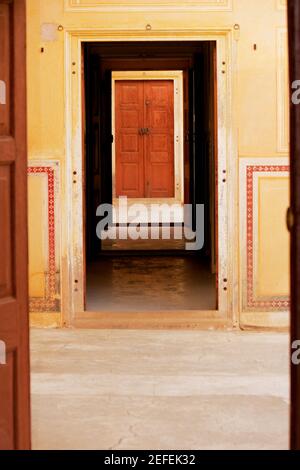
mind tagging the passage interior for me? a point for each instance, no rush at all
(133, 136)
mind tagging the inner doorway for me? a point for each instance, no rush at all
(130, 152)
(157, 146)
(144, 120)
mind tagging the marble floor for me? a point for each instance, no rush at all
(150, 283)
(133, 390)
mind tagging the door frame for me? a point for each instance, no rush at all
(73, 269)
(294, 219)
(15, 416)
(177, 78)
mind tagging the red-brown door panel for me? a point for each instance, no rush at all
(129, 118)
(5, 53)
(145, 139)
(159, 148)
(6, 264)
(14, 324)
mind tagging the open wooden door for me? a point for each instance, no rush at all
(92, 151)
(98, 147)
(106, 139)
(202, 143)
(192, 145)
(294, 219)
(14, 328)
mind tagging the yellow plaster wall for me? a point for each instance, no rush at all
(273, 266)
(38, 253)
(258, 105)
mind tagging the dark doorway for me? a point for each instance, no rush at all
(197, 61)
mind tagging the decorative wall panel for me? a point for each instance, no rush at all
(264, 237)
(282, 92)
(44, 242)
(101, 5)
(282, 4)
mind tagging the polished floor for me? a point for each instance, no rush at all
(131, 390)
(150, 283)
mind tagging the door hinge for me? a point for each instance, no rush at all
(112, 139)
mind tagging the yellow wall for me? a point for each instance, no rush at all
(259, 113)
(273, 238)
(37, 237)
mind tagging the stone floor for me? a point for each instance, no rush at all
(170, 390)
(150, 283)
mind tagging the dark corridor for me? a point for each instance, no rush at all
(197, 60)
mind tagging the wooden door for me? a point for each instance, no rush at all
(92, 149)
(14, 329)
(105, 112)
(129, 119)
(97, 146)
(192, 146)
(294, 223)
(159, 139)
(145, 139)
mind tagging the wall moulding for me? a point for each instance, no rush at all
(227, 193)
(49, 172)
(283, 117)
(254, 175)
(153, 5)
(282, 4)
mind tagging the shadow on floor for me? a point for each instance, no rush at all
(150, 283)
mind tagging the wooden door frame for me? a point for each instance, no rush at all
(14, 329)
(177, 78)
(73, 267)
(294, 63)
(294, 41)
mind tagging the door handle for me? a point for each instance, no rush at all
(144, 131)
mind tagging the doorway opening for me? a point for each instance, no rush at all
(151, 155)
